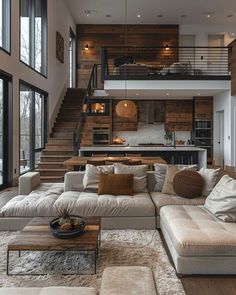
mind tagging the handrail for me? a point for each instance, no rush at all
(92, 84)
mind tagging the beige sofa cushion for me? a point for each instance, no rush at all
(195, 232)
(222, 200)
(160, 173)
(210, 178)
(39, 202)
(128, 280)
(92, 204)
(49, 291)
(92, 174)
(161, 200)
(139, 172)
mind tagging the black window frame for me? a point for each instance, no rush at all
(33, 150)
(44, 40)
(6, 27)
(7, 164)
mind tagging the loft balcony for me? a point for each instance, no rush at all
(165, 63)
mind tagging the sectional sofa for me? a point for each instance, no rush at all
(199, 243)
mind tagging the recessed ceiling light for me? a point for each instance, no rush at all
(160, 15)
(208, 14)
(89, 12)
(138, 15)
(230, 15)
(183, 15)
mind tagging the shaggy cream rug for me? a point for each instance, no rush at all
(118, 247)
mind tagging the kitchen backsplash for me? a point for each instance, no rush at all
(150, 133)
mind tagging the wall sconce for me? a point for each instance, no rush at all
(86, 47)
(167, 47)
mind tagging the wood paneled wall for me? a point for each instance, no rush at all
(232, 66)
(97, 36)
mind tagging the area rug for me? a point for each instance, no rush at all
(118, 247)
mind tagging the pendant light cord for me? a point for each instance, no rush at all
(126, 41)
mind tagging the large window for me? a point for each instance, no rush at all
(33, 123)
(72, 60)
(5, 11)
(33, 34)
(5, 130)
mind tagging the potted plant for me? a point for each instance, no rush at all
(168, 137)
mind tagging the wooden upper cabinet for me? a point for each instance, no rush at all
(203, 107)
(179, 115)
(123, 124)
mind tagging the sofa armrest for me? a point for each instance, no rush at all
(74, 181)
(28, 182)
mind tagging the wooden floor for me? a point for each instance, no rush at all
(210, 285)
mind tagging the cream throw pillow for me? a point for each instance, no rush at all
(210, 178)
(222, 200)
(139, 172)
(168, 184)
(92, 175)
(160, 173)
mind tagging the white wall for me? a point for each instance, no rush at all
(59, 19)
(233, 126)
(202, 31)
(222, 102)
(149, 133)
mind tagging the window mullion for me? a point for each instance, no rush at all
(32, 130)
(32, 34)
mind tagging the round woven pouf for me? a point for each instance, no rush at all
(188, 184)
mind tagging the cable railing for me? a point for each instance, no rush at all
(165, 63)
(92, 84)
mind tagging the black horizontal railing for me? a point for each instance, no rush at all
(92, 85)
(165, 62)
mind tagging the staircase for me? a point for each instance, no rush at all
(60, 143)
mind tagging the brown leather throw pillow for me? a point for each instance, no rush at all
(115, 184)
(188, 184)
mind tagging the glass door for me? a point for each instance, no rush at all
(5, 133)
(33, 126)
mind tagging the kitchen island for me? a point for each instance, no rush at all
(172, 155)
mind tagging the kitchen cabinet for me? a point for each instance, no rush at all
(203, 125)
(203, 108)
(179, 115)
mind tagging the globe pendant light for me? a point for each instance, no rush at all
(126, 109)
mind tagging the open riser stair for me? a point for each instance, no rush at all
(59, 147)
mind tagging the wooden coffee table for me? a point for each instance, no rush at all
(37, 236)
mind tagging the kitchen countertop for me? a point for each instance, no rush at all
(141, 148)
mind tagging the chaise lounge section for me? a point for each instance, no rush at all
(199, 243)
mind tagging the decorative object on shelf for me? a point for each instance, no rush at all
(118, 140)
(67, 226)
(98, 107)
(126, 108)
(168, 137)
(59, 47)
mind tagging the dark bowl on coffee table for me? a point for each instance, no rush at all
(73, 233)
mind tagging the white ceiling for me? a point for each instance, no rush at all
(150, 9)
